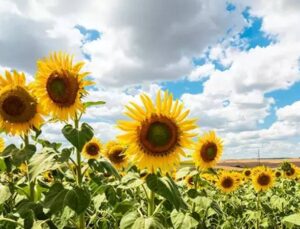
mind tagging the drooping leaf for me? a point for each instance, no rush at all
(166, 188)
(78, 199)
(78, 137)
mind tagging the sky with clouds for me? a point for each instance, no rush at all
(235, 64)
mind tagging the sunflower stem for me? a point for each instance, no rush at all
(151, 204)
(258, 209)
(79, 174)
(196, 187)
(31, 183)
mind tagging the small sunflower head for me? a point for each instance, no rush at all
(278, 174)
(227, 182)
(208, 150)
(247, 173)
(189, 181)
(48, 176)
(263, 179)
(92, 149)
(115, 152)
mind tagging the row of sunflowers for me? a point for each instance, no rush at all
(134, 181)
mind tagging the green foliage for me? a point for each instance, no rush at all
(78, 137)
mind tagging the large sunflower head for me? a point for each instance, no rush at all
(227, 182)
(208, 150)
(2, 144)
(115, 152)
(60, 85)
(92, 149)
(158, 132)
(19, 110)
(263, 179)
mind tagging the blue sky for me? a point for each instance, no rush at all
(234, 64)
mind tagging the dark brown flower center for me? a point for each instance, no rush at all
(291, 172)
(278, 174)
(209, 151)
(116, 156)
(191, 180)
(17, 106)
(92, 149)
(247, 173)
(62, 88)
(264, 179)
(227, 182)
(158, 135)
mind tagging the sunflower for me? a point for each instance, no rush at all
(2, 144)
(247, 173)
(263, 179)
(23, 168)
(92, 149)
(115, 152)
(278, 174)
(47, 176)
(19, 110)
(157, 134)
(208, 150)
(189, 181)
(60, 85)
(291, 172)
(227, 182)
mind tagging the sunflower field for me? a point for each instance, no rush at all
(134, 181)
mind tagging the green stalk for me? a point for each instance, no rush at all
(151, 204)
(31, 183)
(79, 174)
(258, 208)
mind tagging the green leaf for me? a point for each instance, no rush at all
(104, 166)
(2, 164)
(128, 220)
(4, 193)
(182, 221)
(93, 103)
(55, 198)
(123, 207)
(165, 187)
(147, 223)
(65, 155)
(293, 219)
(78, 199)
(42, 162)
(78, 137)
(9, 150)
(20, 156)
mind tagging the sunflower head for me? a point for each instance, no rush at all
(208, 150)
(291, 171)
(263, 179)
(247, 173)
(158, 133)
(19, 110)
(23, 168)
(115, 152)
(60, 84)
(48, 176)
(2, 145)
(92, 149)
(227, 182)
(189, 181)
(278, 174)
